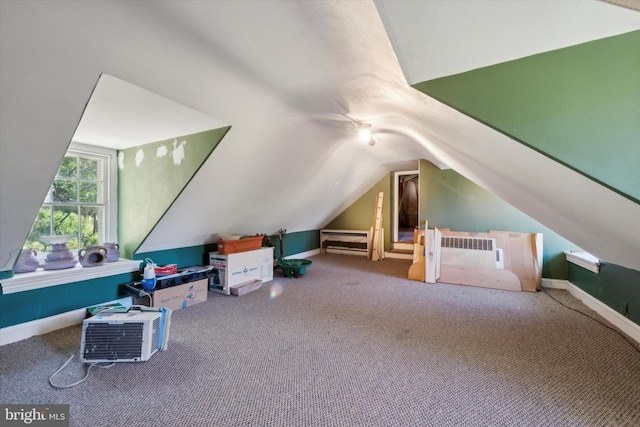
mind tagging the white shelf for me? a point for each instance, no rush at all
(584, 260)
(346, 236)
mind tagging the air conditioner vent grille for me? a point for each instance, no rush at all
(156, 333)
(473, 243)
(111, 341)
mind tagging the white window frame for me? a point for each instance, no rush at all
(109, 189)
(111, 184)
(45, 278)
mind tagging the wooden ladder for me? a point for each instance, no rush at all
(417, 269)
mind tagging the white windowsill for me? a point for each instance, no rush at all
(584, 260)
(44, 278)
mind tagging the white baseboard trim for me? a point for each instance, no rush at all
(306, 254)
(26, 330)
(398, 255)
(618, 320)
(555, 283)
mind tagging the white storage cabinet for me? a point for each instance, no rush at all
(239, 268)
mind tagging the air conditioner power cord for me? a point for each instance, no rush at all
(594, 319)
(95, 364)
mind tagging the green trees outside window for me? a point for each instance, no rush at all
(75, 204)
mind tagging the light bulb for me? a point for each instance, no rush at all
(364, 134)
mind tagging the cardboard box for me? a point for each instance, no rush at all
(245, 288)
(177, 297)
(241, 267)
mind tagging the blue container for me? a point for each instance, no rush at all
(148, 284)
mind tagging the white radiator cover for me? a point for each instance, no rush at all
(471, 252)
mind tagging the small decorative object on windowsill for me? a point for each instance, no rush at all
(60, 256)
(27, 261)
(113, 252)
(92, 256)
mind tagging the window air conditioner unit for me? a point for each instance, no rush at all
(131, 336)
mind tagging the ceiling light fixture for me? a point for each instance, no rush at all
(365, 134)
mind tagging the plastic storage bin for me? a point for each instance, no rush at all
(294, 267)
(226, 247)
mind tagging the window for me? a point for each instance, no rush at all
(80, 202)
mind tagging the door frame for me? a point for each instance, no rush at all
(394, 208)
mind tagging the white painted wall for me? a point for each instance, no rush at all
(438, 38)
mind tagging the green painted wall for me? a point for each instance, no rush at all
(295, 243)
(449, 200)
(150, 182)
(613, 285)
(360, 215)
(25, 306)
(579, 105)
(183, 257)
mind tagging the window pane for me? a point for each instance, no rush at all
(89, 169)
(92, 222)
(68, 168)
(41, 227)
(89, 192)
(65, 221)
(82, 179)
(73, 244)
(65, 191)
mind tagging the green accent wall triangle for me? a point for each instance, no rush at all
(150, 179)
(578, 105)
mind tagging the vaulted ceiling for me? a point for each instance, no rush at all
(285, 75)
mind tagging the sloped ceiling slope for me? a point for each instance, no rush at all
(470, 35)
(281, 74)
(438, 38)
